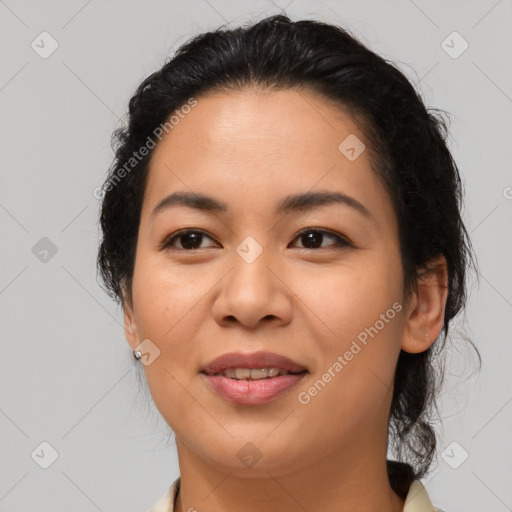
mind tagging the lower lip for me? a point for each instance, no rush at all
(252, 392)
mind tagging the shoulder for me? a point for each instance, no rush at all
(418, 500)
(166, 502)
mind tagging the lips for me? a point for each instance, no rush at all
(253, 360)
(218, 375)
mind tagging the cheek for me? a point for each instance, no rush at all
(168, 312)
(361, 317)
(350, 393)
(348, 298)
(166, 299)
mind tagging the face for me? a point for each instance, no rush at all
(317, 281)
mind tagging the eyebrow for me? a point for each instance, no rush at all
(292, 203)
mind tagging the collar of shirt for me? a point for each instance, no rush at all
(417, 499)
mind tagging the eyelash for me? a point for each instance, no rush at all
(341, 241)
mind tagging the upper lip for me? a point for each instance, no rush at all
(252, 360)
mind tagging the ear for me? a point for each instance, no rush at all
(130, 324)
(425, 315)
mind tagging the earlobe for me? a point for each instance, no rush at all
(426, 318)
(416, 341)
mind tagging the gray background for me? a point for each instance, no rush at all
(68, 377)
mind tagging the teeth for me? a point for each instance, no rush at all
(254, 373)
(242, 373)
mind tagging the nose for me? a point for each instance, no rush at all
(253, 293)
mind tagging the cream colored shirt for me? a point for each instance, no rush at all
(417, 499)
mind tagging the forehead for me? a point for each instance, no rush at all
(241, 122)
(262, 145)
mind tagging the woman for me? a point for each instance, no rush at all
(282, 228)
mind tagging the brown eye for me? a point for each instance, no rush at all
(190, 240)
(313, 238)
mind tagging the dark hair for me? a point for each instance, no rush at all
(408, 149)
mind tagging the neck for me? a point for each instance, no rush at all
(349, 479)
